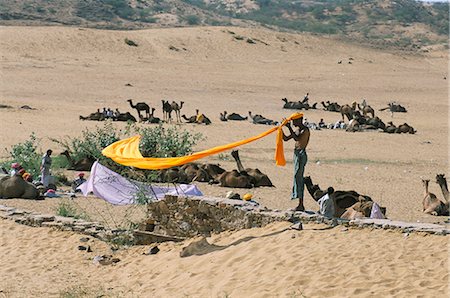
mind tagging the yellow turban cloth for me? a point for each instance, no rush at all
(126, 152)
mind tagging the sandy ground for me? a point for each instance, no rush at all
(67, 72)
(265, 262)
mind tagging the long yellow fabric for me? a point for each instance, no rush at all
(126, 152)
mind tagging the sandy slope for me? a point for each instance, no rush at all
(65, 72)
(267, 262)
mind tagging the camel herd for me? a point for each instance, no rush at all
(361, 117)
(215, 174)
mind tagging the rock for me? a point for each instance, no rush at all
(81, 247)
(297, 226)
(154, 250)
(84, 239)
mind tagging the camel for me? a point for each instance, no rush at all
(140, 106)
(195, 172)
(192, 119)
(431, 204)
(234, 116)
(167, 110)
(125, 117)
(177, 107)
(394, 108)
(173, 175)
(152, 118)
(405, 128)
(197, 118)
(390, 128)
(259, 179)
(223, 116)
(367, 110)
(84, 164)
(442, 181)
(259, 119)
(16, 187)
(342, 199)
(295, 105)
(375, 123)
(331, 107)
(347, 110)
(97, 116)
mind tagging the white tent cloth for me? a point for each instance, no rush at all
(115, 189)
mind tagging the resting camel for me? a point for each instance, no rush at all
(259, 119)
(342, 199)
(195, 172)
(140, 106)
(84, 164)
(431, 204)
(192, 119)
(97, 116)
(259, 179)
(125, 117)
(405, 128)
(331, 107)
(367, 110)
(223, 116)
(295, 105)
(177, 108)
(395, 108)
(234, 116)
(390, 128)
(197, 118)
(167, 110)
(173, 175)
(16, 187)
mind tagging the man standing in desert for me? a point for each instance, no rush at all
(301, 138)
(45, 168)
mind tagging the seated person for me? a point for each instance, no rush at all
(15, 168)
(78, 181)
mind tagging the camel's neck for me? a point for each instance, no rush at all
(131, 104)
(310, 187)
(444, 188)
(426, 187)
(239, 163)
(69, 158)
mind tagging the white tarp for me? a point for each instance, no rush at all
(112, 187)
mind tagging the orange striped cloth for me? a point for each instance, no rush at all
(126, 152)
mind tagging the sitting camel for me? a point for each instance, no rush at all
(125, 117)
(197, 118)
(405, 128)
(431, 204)
(367, 110)
(331, 107)
(295, 105)
(223, 116)
(259, 119)
(97, 116)
(394, 108)
(84, 164)
(259, 179)
(16, 187)
(342, 199)
(234, 116)
(390, 128)
(152, 118)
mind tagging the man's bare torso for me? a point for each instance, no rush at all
(303, 141)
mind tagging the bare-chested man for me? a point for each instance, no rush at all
(301, 138)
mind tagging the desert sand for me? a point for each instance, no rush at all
(266, 262)
(67, 72)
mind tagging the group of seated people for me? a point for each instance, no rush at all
(108, 113)
(322, 125)
(17, 169)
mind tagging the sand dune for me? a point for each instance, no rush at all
(266, 262)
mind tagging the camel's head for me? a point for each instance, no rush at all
(65, 152)
(425, 182)
(129, 100)
(440, 178)
(284, 99)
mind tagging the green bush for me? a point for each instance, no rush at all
(193, 20)
(67, 209)
(27, 155)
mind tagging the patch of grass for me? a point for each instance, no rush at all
(67, 209)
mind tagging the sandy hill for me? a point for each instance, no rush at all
(404, 24)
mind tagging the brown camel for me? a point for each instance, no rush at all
(97, 116)
(173, 175)
(192, 119)
(431, 204)
(140, 106)
(405, 128)
(234, 116)
(167, 110)
(177, 107)
(195, 172)
(83, 164)
(331, 107)
(367, 110)
(259, 179)
(125, 117)
(152, 118)
(390, 128)
(16, 187)
(342, 199)
(347, 110)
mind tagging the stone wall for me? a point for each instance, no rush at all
(187, 217)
